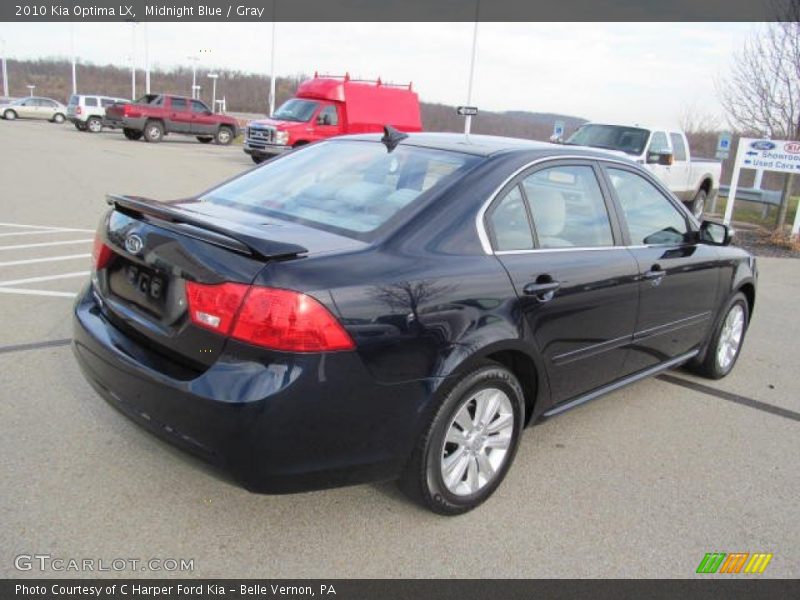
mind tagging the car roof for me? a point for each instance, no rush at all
(487, 145)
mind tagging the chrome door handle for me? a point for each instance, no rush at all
(543, 292)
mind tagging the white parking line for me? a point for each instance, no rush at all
(42, 232)
(43, 244)
(31, 261)
(26, 292)
(44, 278)
(44, 227)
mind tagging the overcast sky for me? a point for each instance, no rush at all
(631, 72)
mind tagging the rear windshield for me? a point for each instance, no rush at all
(631, 140)
(74, 100)
(349, 187)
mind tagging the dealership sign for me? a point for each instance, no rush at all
(779, 156)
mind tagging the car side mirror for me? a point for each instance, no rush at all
(715, 234)
(659, 158)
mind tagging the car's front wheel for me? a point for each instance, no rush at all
(726, 340)
(224, 136)
(470, 443)
(9, 115)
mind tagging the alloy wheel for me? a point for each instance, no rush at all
(730, 337)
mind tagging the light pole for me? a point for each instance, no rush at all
(194, 60)
(72, 46)
(146, 61)
(196, 91)
(30, 88)
(133, 60)
(468, 120)
(5, 71)
(272, 66)
(213, 77)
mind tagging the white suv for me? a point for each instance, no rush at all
(88, 112)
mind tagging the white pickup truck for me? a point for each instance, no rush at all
(665, 152)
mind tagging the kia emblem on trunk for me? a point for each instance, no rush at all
(133, 244)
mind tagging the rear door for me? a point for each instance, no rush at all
(678, 278)
(556, 233)
(179, 117)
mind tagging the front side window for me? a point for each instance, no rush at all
(567, 207)
(678, 147)
(652, 219)
(328, 116)
(658, 143)
(199, 107)
(348, 187)
(509, 222)
(178, 104)
(296, 110)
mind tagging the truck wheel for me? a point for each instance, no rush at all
(132, 134)
(153, 132)
(257, 159)
(205, 139)
(59, 118)
(9, 115)
(79, 126)
(699, 204)
(94, 125)
(224, 136)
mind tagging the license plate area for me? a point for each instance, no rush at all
(139, 285)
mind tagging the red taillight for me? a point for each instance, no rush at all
(78, 110)
(214, 306)
(273, 318)
(101, 254)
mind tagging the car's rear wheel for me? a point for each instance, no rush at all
(153, 132)
(9, 115)
(78, 125)
(224, 136)
(726, 340)
(468, 447)
(205, 139)
(94, 125)
(59, 118)
(132, 134)
(698, 206)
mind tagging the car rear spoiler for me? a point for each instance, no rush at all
(197, 227)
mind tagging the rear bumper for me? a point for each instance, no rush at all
(276, 422)
(124, 123)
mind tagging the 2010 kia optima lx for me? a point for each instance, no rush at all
(401, 307)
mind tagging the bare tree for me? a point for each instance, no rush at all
(761, 94)
(693, 120)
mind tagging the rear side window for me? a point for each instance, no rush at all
(567, 207)
(348, 187)
(509, 222)
(678, 147)
(107, 101)
(90, 101)
(651, 217)
(178, 104)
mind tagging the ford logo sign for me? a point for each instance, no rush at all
(133, 244)
(762, 145)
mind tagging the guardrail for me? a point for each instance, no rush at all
(766, 198)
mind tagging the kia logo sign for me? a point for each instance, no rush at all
(792, 148)
(762, 145)
(133, 244)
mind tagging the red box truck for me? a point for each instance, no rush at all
(327, 106)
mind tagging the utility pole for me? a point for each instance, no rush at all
(194, 60)
(133, 60)
(146, 61)
(272, 66)
(72, 45)
(213, 77)
(5, 71)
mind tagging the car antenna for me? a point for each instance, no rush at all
(392, 137)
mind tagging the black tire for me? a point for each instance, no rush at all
(153, 132)
(224, 136)
(698, 205)
(205, 139)
(710, 366)
(132, 134)
(58, 118)
(9, 115)
(94, 125)
(257, 159)
(422, 479)
(79, 126)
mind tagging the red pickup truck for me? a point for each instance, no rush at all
(155, 115)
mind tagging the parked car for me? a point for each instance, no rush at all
(34, 107)
(664, 152)
(155, 115)
(88, 112)
(327, 106)
(373, 308)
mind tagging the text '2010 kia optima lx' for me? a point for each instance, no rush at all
(400, 307)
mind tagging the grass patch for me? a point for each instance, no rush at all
(754, 213)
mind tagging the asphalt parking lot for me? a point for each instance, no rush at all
(641, 483)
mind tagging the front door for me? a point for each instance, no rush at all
(577, 287)
(203, 120)
(180, 119)
(327, 122)
(679, 278)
